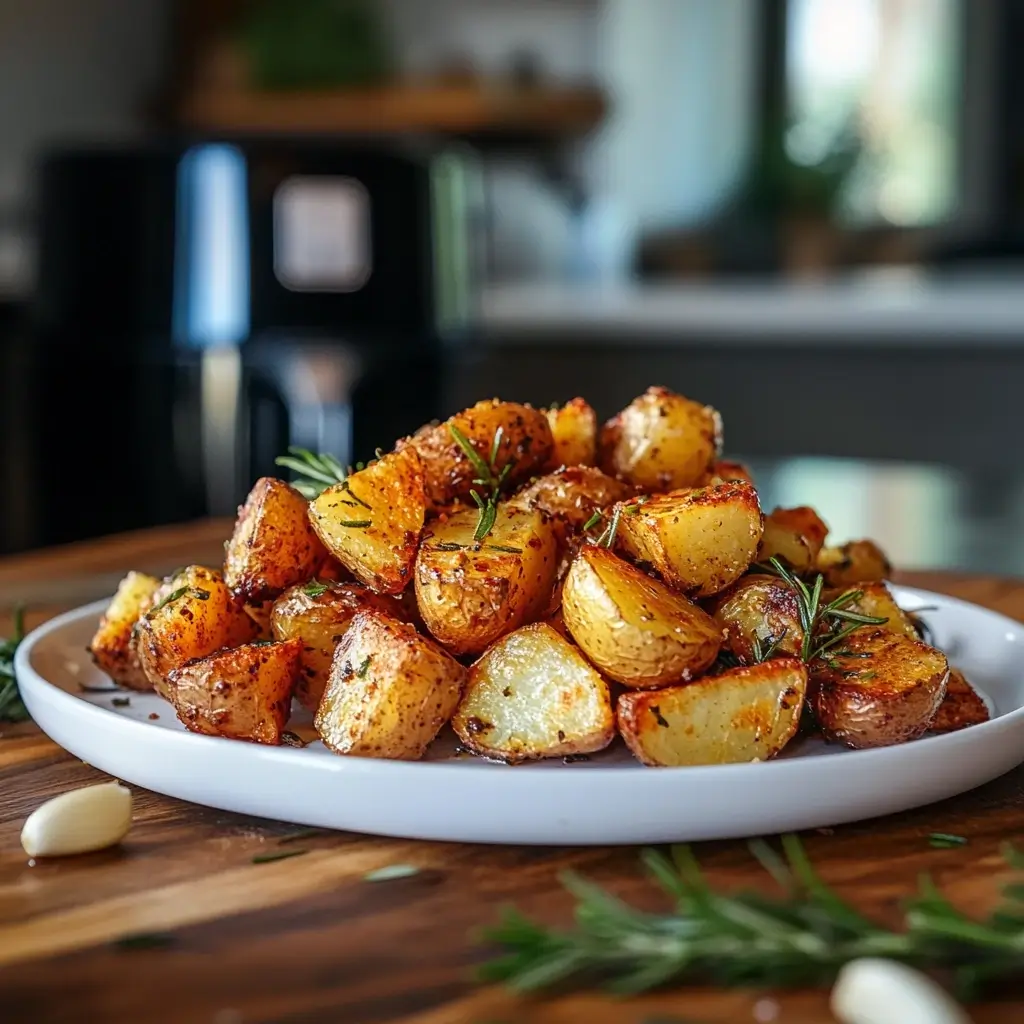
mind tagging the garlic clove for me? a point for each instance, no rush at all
(87, 819)
(876, 991)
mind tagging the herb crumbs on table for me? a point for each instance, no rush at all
(267, 858)
(306, 833)
(945, 841)
(391, 872)
(121, 702)
(144, 940)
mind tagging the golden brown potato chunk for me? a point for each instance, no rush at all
(573, 433)
(699, 540)
(745, 714)
(860, 561)
(198, 617)
(759, 611)
(573, 494)
(962, 706)
(273, 545)
(390, 690)
(877, 601)
(524, 443)
(661, 441)
(632, 627)
(111, 646)
(318, 613)
(371, 523)
(533, 695)
(240, 694)
(879, 688)
(793, 535)
(471, 593)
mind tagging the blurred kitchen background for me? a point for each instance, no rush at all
(231, 225)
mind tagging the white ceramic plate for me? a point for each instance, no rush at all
(607, 799)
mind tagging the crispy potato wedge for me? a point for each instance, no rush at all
(759, 610)
(745, 714)
(525, 443)
(699, 540)
(318, 614)
(572, 494)
(876, 600)
(111, 646)
(793, 535)
(371, 523)
(661, 441)
(881, 688)
(533, 695)
(273, 545)
(961, 707)
(573, 434)
(860, 561)
(199, 616)
(632, 627)
(241, 694)
(390, 690)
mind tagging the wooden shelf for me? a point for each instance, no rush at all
(461, 110)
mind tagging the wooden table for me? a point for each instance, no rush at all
(310, 939)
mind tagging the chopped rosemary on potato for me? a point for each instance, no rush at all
(487, 476)
(12, 708)
(355, 524)
(314, 588)
(316, 472)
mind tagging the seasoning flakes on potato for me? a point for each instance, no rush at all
(111, 646)
(745, 714)
(573, 494)
(632, 627)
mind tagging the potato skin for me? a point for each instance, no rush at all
(661, 441)
(319, 620)
(533, 695)
(793, 535)
(699, 540)
(111, 645)
(273, 545)
(526, 443)
(860, 561)
(633, 628)
(371, 523)
(887, 692)
(204, 617)
(573, 434)
(469, 594)
(961, 707)
(745, 714)
(390, 690)
(759, 607)
(572, 494)
(241, 694)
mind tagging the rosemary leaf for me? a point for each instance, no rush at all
(488, 516)
(315, 588)
(267, 858)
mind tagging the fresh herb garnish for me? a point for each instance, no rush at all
(364, 667)
(507, 548)
(305, 833)
(267, 858)
(355, 524)
(198, 593)
(314, 588)
(945, 840)
(144, 940)
(316, 472)
(346, 486)
(765, 653)
(607, 538)
(391, 872)
(12, 708)
(449, 545)
(752, 940)
(292, 739)
(487, 476)
(121, 702)
(593, 521)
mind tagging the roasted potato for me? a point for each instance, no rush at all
(573, 434)
(533, 695)
(632, 627)
(318, 614)
(240, 694)
(111, 646)
(745, 714)
(524, 443)
(573, 494)
(860, 561)
(962, 706)
(273, 545)
(469, 594)
(793, 535)
(199, 616)
(880, 688)
(371, 523)
(699, 540)
(725, 471)
(661, 441)
(759, 611)
(260, 614)
(390, 690)
(877, 601)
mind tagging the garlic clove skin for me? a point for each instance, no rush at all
(877, 991)
(81, 821)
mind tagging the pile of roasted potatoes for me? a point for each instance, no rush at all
(543, 585)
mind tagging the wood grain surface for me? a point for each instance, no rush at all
(310, 939)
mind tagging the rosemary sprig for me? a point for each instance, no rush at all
(487, 476)
(316, 472)
(750, 939)
(12, 709)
